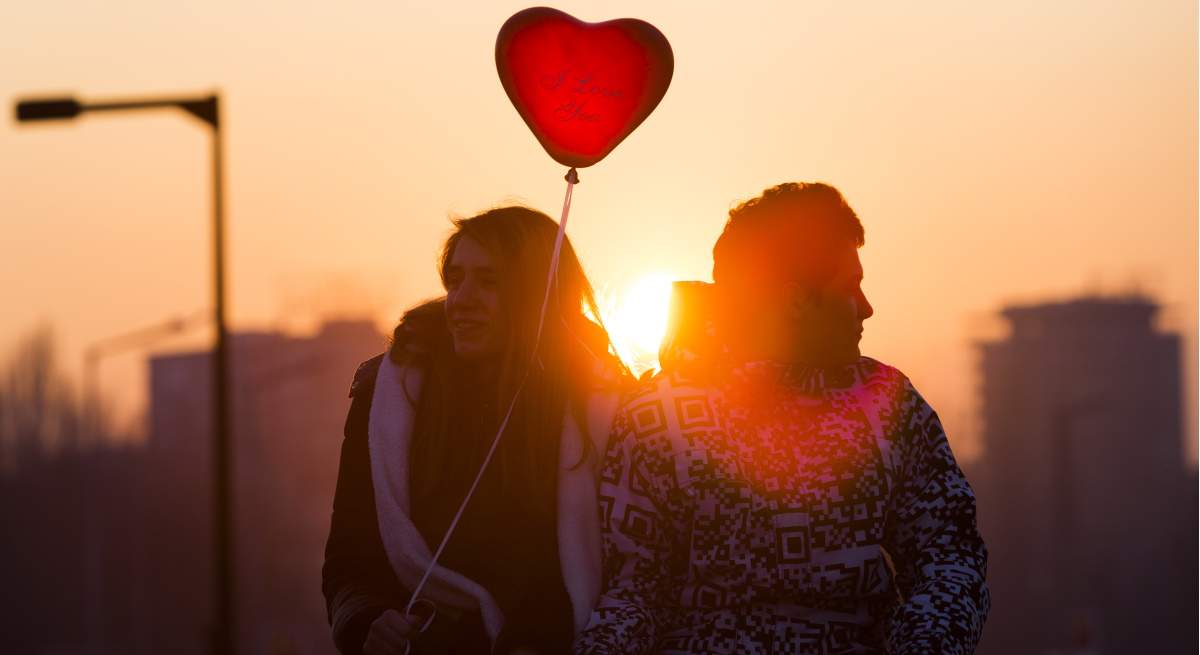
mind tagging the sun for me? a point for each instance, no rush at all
(636, 319)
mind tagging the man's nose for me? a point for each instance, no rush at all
(865, 310)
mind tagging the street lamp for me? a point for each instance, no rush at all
(93, 536)
(139, 338)
(207, 109)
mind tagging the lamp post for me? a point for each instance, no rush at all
(207, 109)
(128, 341)
(93, 535)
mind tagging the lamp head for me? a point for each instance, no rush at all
(48, 109)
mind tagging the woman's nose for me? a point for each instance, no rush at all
(466, 293)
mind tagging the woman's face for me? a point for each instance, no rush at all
(473, 301)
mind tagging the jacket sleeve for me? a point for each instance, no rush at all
(356, 579)
(939, 557)
(642, 519)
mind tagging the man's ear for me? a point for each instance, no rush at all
(801, 300)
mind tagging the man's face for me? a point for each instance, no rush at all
(826, 324)
(473, 301)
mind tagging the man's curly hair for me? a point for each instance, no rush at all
(787, 233)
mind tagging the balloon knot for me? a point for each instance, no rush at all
(572, 176)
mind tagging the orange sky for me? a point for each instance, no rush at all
(1021, 150)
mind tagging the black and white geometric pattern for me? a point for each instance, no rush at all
(787, 509)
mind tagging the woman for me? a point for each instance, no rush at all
(521, 571)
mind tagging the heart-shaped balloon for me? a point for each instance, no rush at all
(582, 87)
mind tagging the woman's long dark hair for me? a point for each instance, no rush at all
(574, 354)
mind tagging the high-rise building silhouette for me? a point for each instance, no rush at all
(1085, 499)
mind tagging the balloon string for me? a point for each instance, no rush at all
(551, 275)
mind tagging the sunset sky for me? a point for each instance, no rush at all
(996, 152)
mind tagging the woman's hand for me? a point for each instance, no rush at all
(390, 634)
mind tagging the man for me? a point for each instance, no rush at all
(773, 491)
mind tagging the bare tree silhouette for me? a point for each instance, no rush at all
(39, 411)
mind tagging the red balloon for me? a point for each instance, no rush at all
(582, 87)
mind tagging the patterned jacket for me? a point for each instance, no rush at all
(786, 509)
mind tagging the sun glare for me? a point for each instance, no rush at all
(636, 319)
